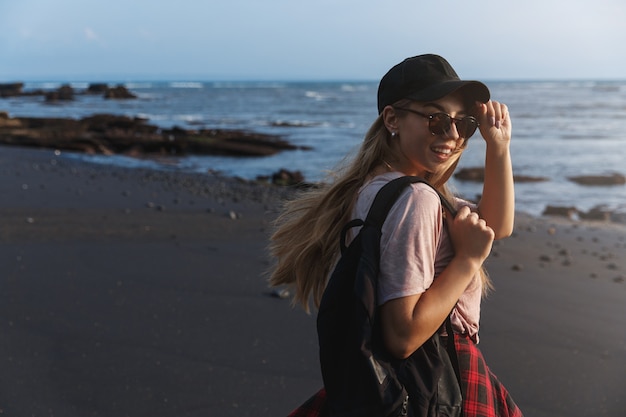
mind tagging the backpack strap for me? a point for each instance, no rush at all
(384, 200)
(389, 193)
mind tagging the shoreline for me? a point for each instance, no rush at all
(155, 165)
(138, 292)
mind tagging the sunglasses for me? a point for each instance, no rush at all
(440, 123)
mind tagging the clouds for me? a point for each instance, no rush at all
(281, 39)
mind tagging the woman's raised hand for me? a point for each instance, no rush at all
(494, 120)
(471, 237)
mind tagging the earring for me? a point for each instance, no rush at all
(393, 135)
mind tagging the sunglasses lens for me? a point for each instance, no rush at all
(439, 123)
(467, 126)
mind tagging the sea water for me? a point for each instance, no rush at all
(560, 129)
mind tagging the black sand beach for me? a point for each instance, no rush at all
(140, 293)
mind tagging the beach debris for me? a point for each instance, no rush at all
(286, 178)
(545, 258)
(609, 179)
(281, 293)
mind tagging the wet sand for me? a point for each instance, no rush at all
(140, 293)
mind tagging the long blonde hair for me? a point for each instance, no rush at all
(306, 240)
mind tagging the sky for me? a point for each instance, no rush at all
(197, 40)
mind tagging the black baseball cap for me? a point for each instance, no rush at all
(425, 78)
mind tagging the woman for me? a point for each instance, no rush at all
(430, 264)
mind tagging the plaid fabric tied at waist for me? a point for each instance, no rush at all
(483, 394)
(313, 407)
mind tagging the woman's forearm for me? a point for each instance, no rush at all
(497, 205)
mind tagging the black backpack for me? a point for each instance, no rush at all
(361, 378)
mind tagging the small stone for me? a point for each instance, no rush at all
(552, 230)
(619, 279)
(233, 215)
(517, 267)
(30, 220)
(281, 293)
(545, 258)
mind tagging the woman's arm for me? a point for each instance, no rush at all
(407, 322)
(497, 205)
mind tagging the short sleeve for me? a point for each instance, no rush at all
(409, 243)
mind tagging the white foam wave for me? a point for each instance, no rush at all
(186, 84)
(247, 84)
(316, 95)
(137, 85)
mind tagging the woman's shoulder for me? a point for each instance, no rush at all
(377, 182)
(417, 194)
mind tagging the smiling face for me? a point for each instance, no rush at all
(416, 151)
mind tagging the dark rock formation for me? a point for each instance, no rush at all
(63, 93)
(611, 179)
(285, 177)
(471, 174)
(477, 174)
(11, 89)
(97, 88)
(561, 211)
(112, 134)
(119, 92)
(602, 213)
(66, 92)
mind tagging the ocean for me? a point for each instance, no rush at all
(560, 129)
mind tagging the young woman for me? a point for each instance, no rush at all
(430, 263)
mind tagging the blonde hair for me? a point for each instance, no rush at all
(306, 240)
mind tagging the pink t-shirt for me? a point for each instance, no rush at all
(416, 248)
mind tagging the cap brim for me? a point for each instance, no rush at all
(472, 90)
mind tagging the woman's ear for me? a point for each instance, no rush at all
(390, 118)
